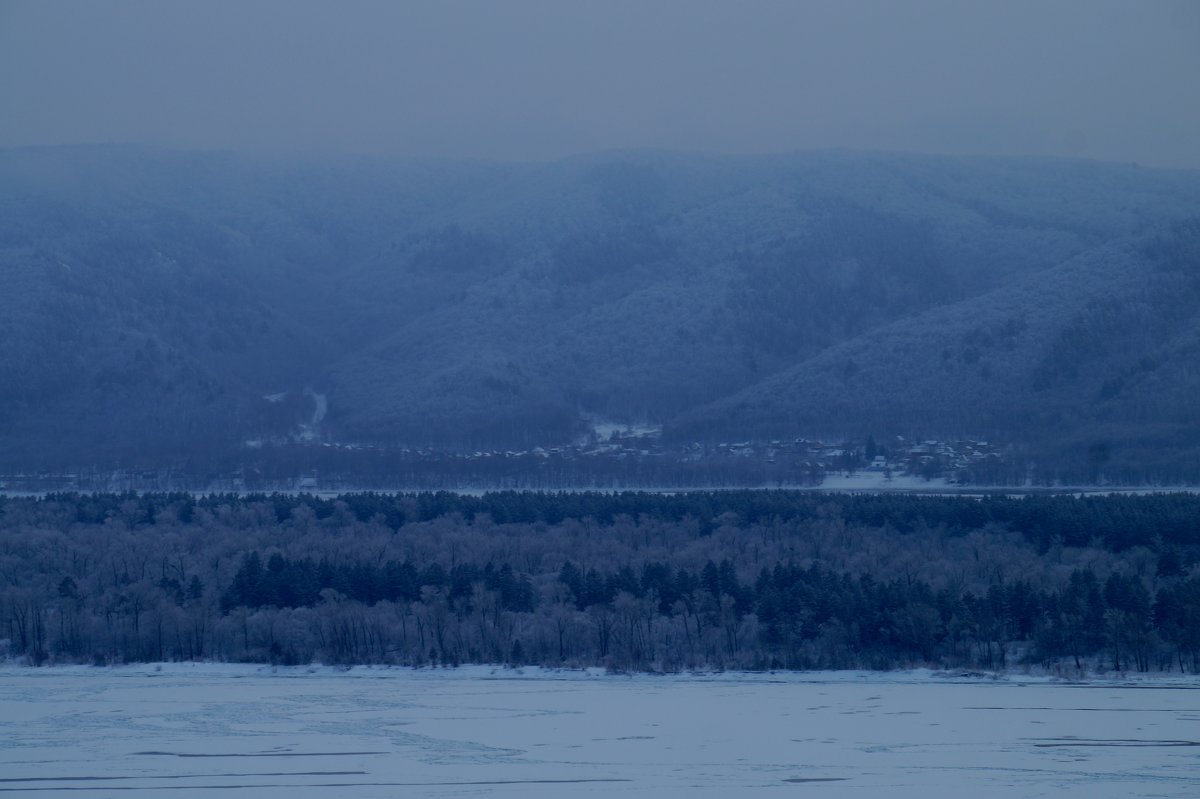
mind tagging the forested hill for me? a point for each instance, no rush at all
(163, 308)
(1097, 353)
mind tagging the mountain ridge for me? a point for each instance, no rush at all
(156, 297)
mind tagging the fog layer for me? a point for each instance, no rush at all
(535, 79)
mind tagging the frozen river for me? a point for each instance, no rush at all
(213, 730)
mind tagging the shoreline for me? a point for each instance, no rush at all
(491, 671)
(966, 491)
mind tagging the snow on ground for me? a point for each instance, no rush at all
(206, 730)
(604, 429)
(879, 481)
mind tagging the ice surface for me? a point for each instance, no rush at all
(207, 730)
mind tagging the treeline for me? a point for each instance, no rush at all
(757, 580)
(1119, 521)
(436, 470)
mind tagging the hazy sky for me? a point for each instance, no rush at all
(546, 78)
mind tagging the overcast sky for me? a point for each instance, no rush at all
(525, 79)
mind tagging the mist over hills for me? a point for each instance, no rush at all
(164, 307)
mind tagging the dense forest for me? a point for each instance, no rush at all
(192, 311)
(630, 581)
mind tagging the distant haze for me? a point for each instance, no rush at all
(537, 79)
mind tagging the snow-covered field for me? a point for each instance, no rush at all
(209, 730)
